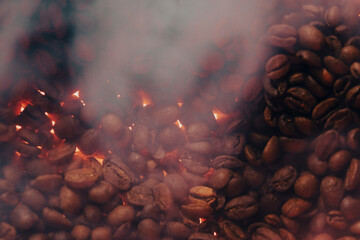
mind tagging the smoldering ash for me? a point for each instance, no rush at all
(180, 120)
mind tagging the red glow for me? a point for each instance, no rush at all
(21, 106)
(215, 234)
(41, 92)
(18, 127)
(52, 131)
(146, 100)
(178, 123)
(201, 220)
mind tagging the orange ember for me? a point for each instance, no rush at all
(118, 96)
(215, 234)
(165, 173)
(99, 157)
(146, 100)
(178, 123)
(53, 123)
(18, 127)
(41, 92)
(52, 131)
(21, 106)
(201, 220)
(180, 104)
(219, 115)
(76, 94)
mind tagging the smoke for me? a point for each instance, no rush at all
(158, 45)
(15, 21)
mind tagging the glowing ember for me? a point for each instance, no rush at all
(141, 176)
(178, 123)
(39, 147)
(76, 94)
(218, 115)
(18, 127)
(83, 103)
(146, 100)
(215, 115)
(53, 123)
(118, 96)
(201, 220)
(215, 234)
(77, 150)
(52, 131)
(41, 92)
(180, 104)
(46, 113)
(17, 153)
(165, 173)
(22, 105)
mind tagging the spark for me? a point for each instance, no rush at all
(201, 220)
(52, 131)
(178, 123)
(180, 104)
(41, 92)
(118, 96)
(18, 127)
(77, 150)
(53, 123)
(76, 94)
(83, 103)
(215, 115)
(46, 113)
(165, 173)
(215, 234)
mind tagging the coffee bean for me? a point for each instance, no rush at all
(55, 219)
(89, 141)
(118, 173)
(102, 193)
(336, 220)
(101, 233)
(140, 195)
(352, 178)
(265, 233)
(326, 144)
(282, 35)
(198, 131)
(240, 208)
(306, 186)
(177, 186)
(332, 190)
(197, 210)
(121, 215)
(311, 38)
(349, 54)
(278, 66)
(137, 163)
(148, 229)
(309, 58)
(47, 183)
(355, 228)
(349, 207)
(284, 178)
(355, 70)
(295, 207)
(299, 100)
(70, 201)
(67, 127)
(33, 198)
(339, 160)
(163, 196)
(112, 125)
(342, 85)
(177, 230)
(81, 232)
(231, 230)
(81, 178)
(333, 16)
(7, 231)
(271, 151)
(92, 213)
(23, 218)
(202, 236)
(61, 154)
(220, 178)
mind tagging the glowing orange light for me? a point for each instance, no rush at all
(41, 92)
(46, 113)
(53, 123)
(180, 104)
(165, 173)
(18, 127)
(201, 220)
(76, 94)
(22, 105)
(146, 100)
(52, 131)
(218, 115)
(62, 104)
(17, 153)
(215, 234)
(83, 103)
(178, 123)
(118, 96)
(141, 176)
(39, 147)
(77, 150)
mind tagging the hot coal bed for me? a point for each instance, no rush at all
(265, 145)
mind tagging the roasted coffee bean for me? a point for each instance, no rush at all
(278, 66)
(317, 166)
(81, 178)
(118, 173)
(70, 201)
(177, 230)
(336, 220)
(167, 114)
(220, 178)
(342, 85)
(353, 138)
(352, 97)
(355, 70)
(350, 207)
(33, 198)
(39, 236)
(89, 141)
(101, 233)
(198, 131)
(197, 210)
(203, 147)
(349, 54)
(112, 125)
(352, 178)
(341, 119)
(231, 230)
(311, 38)
(47, 183)
(322, 111)
(148, 229)
(121, 215)
(7, 232)
(323, 76)
(122, 232)
(295, 207)
(265, 233)
(195, 166)
(81, 232)
(152, 211)
(326, 144)
(240, 208)
(92, 213)
(355, 228)
(318, 222)
(140, 195)
(177, 186)
(227, 161)
(163, 196)
(299, 100)
(202, 195)
(67, 127)
(137, 163)
(284, 178)
(306, 186)
(274, 89)
(332, 190)
(202, 236)
(61, 154)
(23, 218)
(323, 236)
(102, 193)
(309, 58)
(171, 136)
(55, 219)
(282, 35)
(272, 150)
(339, 160)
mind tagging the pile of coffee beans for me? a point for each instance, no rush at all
(265, 148)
